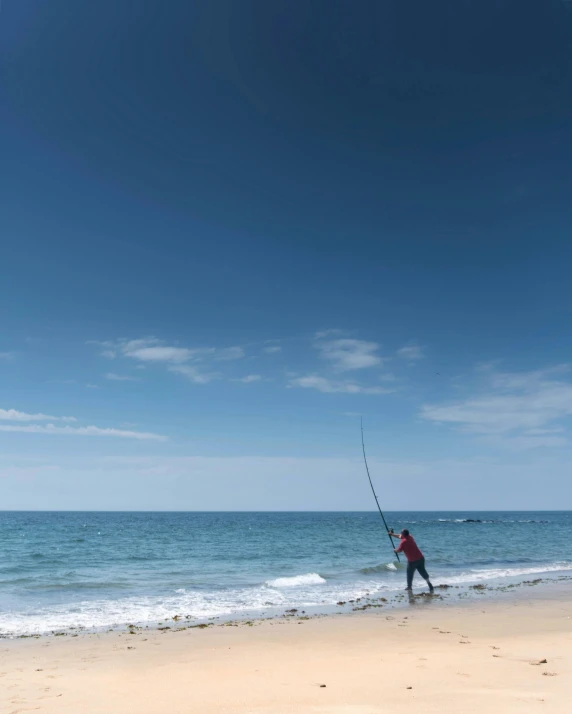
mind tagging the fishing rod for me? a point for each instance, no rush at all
(373, 490)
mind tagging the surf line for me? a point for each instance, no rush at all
(373, 489)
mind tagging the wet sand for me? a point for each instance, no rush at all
(474, 657)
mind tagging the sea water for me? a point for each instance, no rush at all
(101, 570)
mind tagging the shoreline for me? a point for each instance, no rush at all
(477, 655)
(445, 594)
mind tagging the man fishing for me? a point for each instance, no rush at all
(415, 558)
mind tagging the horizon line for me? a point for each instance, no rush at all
(415, 510)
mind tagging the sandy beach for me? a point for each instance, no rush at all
(474, 657)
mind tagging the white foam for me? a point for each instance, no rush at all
(297, 581)
(300, 591)
(477, 575)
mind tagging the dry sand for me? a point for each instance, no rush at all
(481, 657)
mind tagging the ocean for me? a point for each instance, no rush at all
(94, 570)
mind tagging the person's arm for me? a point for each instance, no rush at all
(395, 535)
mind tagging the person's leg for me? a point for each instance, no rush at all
(423, 573)
(410, 571)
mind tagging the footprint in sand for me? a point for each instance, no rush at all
(550, 674)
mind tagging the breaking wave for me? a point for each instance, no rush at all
(297, 580)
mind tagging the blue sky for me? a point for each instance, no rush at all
(230, 229)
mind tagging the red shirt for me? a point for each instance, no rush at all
(409, 547)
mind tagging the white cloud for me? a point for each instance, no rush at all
(411, 353)
(527, 380)
(194, 374)
(520, 405)
(329, 386)
(150, 349)
(542, 432)
(179, 360)
(249, 378)
(487, 366)
(328, 333)
(229, 353)
(347, 354)
(523, 443)
(81, 431)
(161, 354)
(388, 377)
(6, 355)
(119, 377)
(14, 415)
(272, 349)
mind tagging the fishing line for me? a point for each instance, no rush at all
(373, 490)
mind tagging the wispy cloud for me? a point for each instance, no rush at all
(151, 350)
(523, 405)
(347, 354)
(189, 362)
(193, 373)
(161, 354)
(328, 333)
(388, 377)
(526, 442)
(249, 378)
(331, 386)
(229, 353)
(119, 377)
(14, 415)
(487, 366)
(51, 429)
(7, 355)
(411, 353)
(272, 349)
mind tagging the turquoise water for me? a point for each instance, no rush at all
(100, 570)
